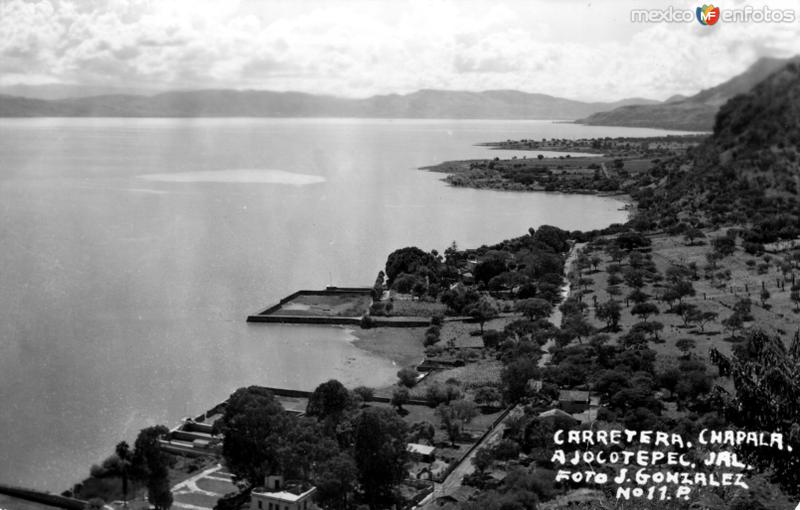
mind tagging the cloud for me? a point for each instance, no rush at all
(359, 48)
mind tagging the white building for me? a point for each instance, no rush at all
(279, 495)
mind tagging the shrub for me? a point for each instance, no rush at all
(364, 393)
(408, 377)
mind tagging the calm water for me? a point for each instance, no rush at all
(132, 250)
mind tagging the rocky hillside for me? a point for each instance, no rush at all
(748, 171)
(695, 113)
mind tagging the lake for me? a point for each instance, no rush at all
(133, 250)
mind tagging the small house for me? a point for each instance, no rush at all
(421, 452)
(574, 401)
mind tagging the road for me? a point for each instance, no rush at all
(465, 467)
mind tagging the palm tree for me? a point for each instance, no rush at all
(125, 455)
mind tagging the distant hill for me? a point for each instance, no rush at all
(747, 172)
(65, 91)
(695, 113)
(676, 98)
(493, 104)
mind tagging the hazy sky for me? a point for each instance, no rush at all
(580, 49)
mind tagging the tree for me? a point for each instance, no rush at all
(685, 345)
(406, 283)
(766, 376)
(329, 399)
(615, 253)
(576, 326)
(515, 377)
(724, 245)
(704, 318)
(631, 240)
(492, 338)
(644, 310)
(743, 308)
(534, 308)
(408, 377)
(460, 299)
(506, 449)
(637, 296)
(125, 456)
(422, 430)
(733, 323)
(595, 260)
(670, 296)
(483, 459)
(150, 464)
(380, 453)
(682, 288)
(454, 416)
(553, 237)
(633, 339)
(693, 233)
(439, 393)
(794, 295)
(419, 289)
(304, 443)
(251, 417)
(409, 260)
(400, 396)
(466, 410)
(687, 311)
(651, 328)
(610, 313)
(633, 278)
(159, 493)
(487, 395)
(484, 310)
(336, 479)
(493, 265)
(364, 393)
(764, 295)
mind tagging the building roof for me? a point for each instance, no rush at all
(421, 449)
(576, 497)
(573, 396)
(552, 413)
(289, 493)
(534, 385)
(587, 416)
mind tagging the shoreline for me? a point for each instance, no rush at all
(402, 346)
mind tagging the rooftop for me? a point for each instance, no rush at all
(556, 412)
(573, 396)
(289, 492)
(421, 449)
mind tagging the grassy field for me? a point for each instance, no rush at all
(409, 308)
(713, 293)
(328, 305)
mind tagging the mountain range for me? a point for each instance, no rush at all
(694, 113)
(493, 104)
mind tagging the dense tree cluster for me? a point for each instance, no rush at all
(349, 450)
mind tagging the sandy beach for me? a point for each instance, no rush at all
(403, 346)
